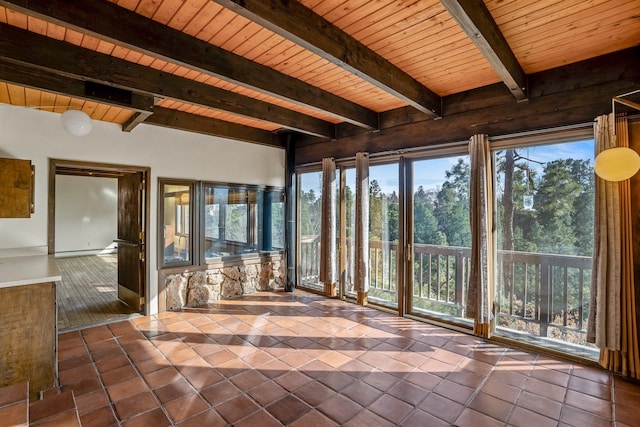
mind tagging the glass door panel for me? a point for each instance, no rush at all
(544, 229)
(309, 225)
(440, 237)
(383, 234)
(348, 224)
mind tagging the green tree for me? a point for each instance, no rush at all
(452, 206)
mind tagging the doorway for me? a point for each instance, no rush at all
(98, 216)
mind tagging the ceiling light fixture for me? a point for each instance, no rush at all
(76, 122)
(619, 163)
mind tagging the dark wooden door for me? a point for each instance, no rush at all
(131, 251)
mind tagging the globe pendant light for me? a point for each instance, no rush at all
(617, 164)
(76, 122)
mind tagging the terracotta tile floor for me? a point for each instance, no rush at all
(299, 359)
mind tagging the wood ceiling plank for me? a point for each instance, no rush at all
(129, 4)
(100, 111)
(187, 13)
(166, 11)
(55, 31)
(418, 18)
(17, 19)
(260, 52)
(295, 22)
(37, 25)
(32, 97)
(16, 95)
(4, 93)
(147, 7)
(202, 19)
(246, 35)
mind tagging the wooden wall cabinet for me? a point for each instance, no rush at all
(16, 188)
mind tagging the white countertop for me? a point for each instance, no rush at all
(27, 270)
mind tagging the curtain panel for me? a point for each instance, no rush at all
(480, 289)
(603, 328)
(361, 256)
(626, 359)
(328, 227)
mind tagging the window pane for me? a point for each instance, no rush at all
(545, 211)
(176, 222)
(349, 230)
(277, 220)
(233, 220)
(310, 199)
(441, 237)
(383, 234)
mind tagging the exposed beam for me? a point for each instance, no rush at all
(133, 121)
(568, 95)
(25, 47)
(174, 119)
(476, 21)
(37, 79)
(131, 30)
(293, 21)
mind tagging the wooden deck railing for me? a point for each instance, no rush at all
(534, 292)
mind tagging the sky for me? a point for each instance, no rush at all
(431, 173)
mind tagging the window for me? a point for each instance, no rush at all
(236, 220)
(176, 222)
(233, 220)
(545, 212)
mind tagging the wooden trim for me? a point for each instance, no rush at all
(99, 168)
(293, 21)
(135, 120)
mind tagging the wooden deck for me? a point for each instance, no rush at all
(87, 294)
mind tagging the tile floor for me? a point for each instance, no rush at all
(299, 359)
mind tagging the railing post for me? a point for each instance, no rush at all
(459, 282)
(545, 297)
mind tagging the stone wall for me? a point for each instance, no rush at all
(195, 288)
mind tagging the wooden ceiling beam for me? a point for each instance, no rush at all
(34, 50)
(134, 31)
(476, 21)
(563, 96)
(34, 78)
(295, 22)
(175, 119)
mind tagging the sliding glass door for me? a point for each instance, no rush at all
(309, 228)
(440, 237)
(383, 234)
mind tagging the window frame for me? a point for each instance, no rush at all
(197, 204)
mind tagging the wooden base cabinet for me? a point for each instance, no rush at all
(28, 336)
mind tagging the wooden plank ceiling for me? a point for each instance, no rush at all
(252, 69)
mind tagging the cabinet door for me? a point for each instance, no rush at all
(16, 188)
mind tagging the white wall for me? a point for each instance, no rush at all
(86, 213)
(38, 136)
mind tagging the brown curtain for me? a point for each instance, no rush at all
(480, 290)
(361, 256)
(627, 359)
(328, 227)
(603, 328)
